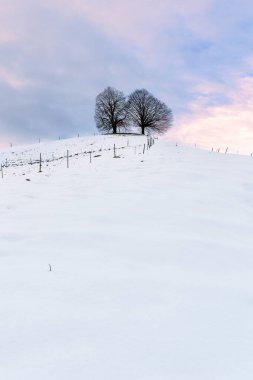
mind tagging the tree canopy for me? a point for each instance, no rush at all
(114, 114)
(148, 113)
(110, 110)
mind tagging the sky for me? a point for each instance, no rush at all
(195, 55)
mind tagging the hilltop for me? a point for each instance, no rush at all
(150, 256)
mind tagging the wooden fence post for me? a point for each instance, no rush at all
(40, 169)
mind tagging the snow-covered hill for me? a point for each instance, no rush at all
(151, 257)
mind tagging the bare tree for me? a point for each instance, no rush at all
(148, 113)
(110, 111)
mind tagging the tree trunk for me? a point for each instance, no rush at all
(143, 130)
(114, 130)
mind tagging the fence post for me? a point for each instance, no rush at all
(40, 169)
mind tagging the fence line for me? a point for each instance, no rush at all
(23, 162)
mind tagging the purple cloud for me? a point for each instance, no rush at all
(56, 57)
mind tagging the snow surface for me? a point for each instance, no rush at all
(152, 262)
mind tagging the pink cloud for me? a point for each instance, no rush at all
(228, 125)
(141, 23)
(12, 79)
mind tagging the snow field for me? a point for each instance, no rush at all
(151, 259)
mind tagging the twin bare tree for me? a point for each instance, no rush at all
(114, 113)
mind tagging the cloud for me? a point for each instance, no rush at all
(57, 56)
(220, 126)
(12, 80)
(143, 27)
